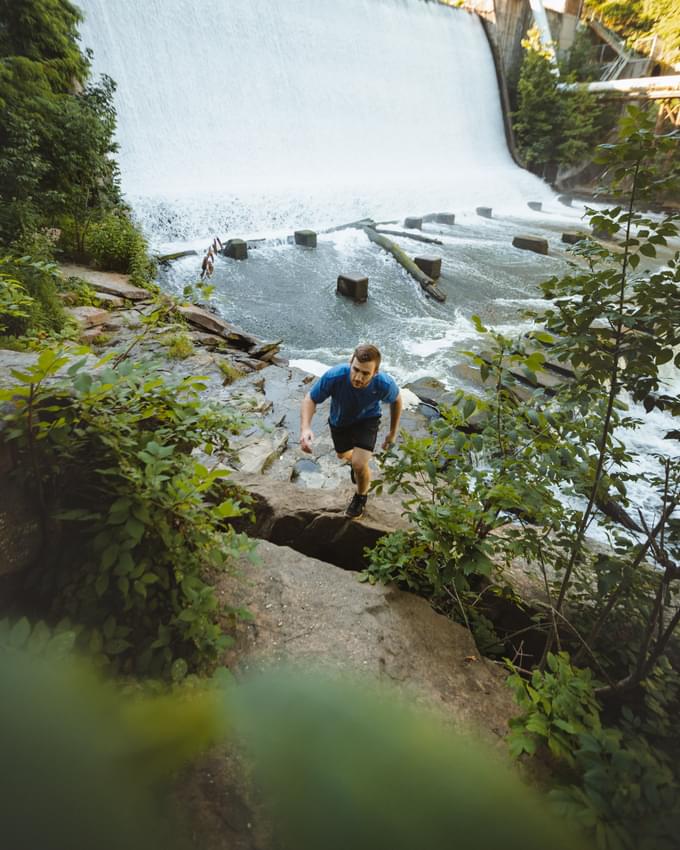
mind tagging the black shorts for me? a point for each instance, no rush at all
(360, 435)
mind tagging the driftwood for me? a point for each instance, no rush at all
(404, 260)
(361, 223)
(166, 258)
(428, 239)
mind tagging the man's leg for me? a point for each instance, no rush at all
(362, 472)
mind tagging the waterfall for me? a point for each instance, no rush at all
(259, 115)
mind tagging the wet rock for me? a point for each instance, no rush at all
(445, 218)
(413, 223)
(537, 206)
(565, 199)
(485, 212)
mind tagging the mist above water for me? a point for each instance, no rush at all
(263, 115)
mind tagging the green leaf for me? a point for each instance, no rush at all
(178, 670)
(19, 633)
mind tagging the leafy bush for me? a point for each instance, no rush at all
(115, 244)
(28, 297)
(142, 521)
(620, 784)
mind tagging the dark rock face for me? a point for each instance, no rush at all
(307, 238)
(432, 266)
(20, 529)
(237, 249)
(485, 212)
(353, 287)
(413, 223)
(531, 243)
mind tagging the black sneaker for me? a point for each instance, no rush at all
(355, 509)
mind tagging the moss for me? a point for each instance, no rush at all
(230, 372)
(178, 345)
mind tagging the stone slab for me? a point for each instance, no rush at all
(413, 223)
(237, 249)
(484, 212)
(307, 612)
(307, 238)
(537, 244)
(88, 317)
(112, 283)
(353, 287)
(571, 237)
(432, 266)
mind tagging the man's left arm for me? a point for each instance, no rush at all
(395, 414)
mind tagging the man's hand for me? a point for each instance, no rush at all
(389, 440)
(306, 439)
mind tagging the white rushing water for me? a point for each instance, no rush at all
(254, 117)
(262, 115)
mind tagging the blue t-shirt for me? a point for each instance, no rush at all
(348, 405)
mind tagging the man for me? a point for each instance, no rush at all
(356, 390)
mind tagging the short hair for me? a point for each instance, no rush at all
(366, 353)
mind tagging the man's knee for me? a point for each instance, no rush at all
(360, 460)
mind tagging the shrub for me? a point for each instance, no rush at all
(114, 243)
(142, 521)
(28, 299)
(621, 784)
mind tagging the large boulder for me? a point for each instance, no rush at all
(313, 521)
(308, 612)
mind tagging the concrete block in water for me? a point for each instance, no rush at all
(432, 266)
(535, 205)
(445, 218)
(565, 199)
(306, 238)
(531, 243)
(353, 287)
(571, 237)
(237, 249)
(604, 235)
(485, 212)
(413, 223)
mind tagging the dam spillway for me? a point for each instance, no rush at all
(264, 115)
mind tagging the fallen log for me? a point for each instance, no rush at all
(166, 258)
(428, 239)
(361, 223)
(406, 262)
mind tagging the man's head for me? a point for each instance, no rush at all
(364, 364)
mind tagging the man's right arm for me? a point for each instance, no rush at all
(307, 410)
